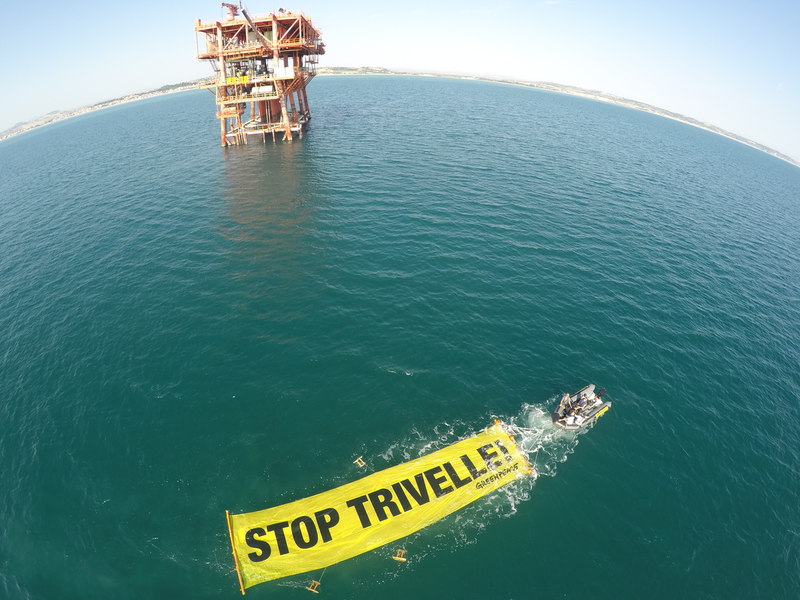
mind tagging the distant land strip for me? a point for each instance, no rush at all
(55, 116)
(60, 115)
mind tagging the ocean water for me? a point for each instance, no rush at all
(186, 329)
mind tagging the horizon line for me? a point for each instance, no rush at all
(598, 95)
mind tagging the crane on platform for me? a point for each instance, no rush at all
(233, 10)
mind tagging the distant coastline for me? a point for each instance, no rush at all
(573, 91)
(59, 115)
(56, 116)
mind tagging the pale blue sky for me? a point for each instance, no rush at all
(734, 63)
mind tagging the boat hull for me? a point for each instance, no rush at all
(585, 415)
(590, 418)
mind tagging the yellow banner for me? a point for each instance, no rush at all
(344, 522)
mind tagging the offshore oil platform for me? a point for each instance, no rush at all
(262, 66)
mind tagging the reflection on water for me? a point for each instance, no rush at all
(270, 192)
(268, 186)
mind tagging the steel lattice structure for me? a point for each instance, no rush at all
(263, 65)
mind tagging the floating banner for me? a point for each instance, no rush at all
(344, 522)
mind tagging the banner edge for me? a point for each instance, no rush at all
(233, 551)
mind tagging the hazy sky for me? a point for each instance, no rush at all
(732, 63)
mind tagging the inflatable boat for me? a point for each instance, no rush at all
(581, 409)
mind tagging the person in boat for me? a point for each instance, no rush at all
(566, 406)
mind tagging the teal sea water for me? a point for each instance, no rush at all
(186, 329)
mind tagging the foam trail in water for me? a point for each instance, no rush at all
(546, 445)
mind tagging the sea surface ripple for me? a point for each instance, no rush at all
(186, 329)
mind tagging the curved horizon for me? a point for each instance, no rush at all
(555, 87)
(730, 65)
